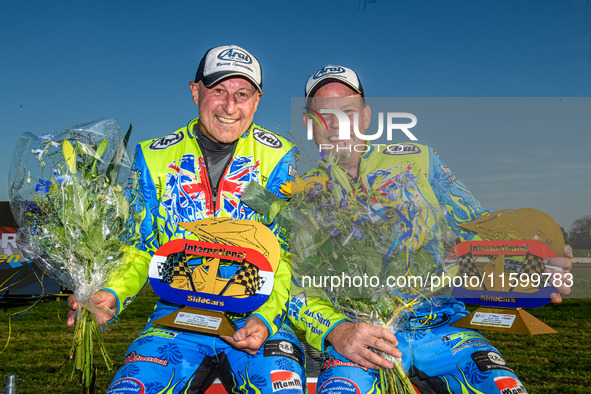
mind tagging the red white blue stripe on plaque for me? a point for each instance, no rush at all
(187, 272)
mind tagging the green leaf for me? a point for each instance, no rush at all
(101, 148)
(69, 156)
(274, 209)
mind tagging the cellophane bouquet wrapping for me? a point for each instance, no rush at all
(76, 218)
(370, 253)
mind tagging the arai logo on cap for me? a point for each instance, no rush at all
(328, 70)
(235, 55)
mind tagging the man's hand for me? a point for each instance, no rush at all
(106, 304)
(355, 340)
(560, 278)
(250, 337)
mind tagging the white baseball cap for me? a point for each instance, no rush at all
(227, 61)
(333, 73)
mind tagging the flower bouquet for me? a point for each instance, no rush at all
(369, 251)
(75, 219)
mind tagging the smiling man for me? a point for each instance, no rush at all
(438, 358)
(194, 173)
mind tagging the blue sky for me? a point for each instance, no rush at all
(67, 62)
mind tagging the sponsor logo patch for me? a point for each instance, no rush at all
(134, 357)
(286, 382)
(464, 339)
(451, 178)
(330, 362)
(282, 348)
(267, 139)
(158, 331)
(294, 307)
(509, 385)
(127, 386)
(169, 140)
(401, 150)
(487, 361)
(339, 386)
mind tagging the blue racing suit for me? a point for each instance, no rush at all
(438, 358)
(171, 173)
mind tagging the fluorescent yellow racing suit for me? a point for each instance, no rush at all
(172, 174)
(439, 358)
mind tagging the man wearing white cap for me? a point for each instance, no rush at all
(438, 358)
(197, 172)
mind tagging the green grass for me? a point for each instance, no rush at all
(556, 363)
(581, 281)
(39, 342)
(581, 252)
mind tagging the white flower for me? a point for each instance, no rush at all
(61, 178)
(39, 153)
(47, 137)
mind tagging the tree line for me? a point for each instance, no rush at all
(579, 235)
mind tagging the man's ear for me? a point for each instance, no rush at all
(305, 118)
(194, 86)
(366, 117)
(258, 99)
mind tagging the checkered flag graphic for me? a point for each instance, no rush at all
(248, 276)
(175, 265)
(533, 265)
(468, 267)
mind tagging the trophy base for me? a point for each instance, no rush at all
(515, 321)
(199, 320)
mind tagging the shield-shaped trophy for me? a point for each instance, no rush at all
(504, 271)
(229, 269)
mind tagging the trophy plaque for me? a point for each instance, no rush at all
(504, 271)
(229, 269)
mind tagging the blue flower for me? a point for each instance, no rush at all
(61, 179)
(327, 204)
(46, 137)
(323, 155)
(344, 202)
(357, 232)
(333, 231)
(33, 208)
(313, 191)
(43, 186)
(38, 152)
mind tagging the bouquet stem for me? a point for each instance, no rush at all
(86, 332)
(395, 380)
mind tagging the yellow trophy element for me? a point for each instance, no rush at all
(226, 231)
(518, 224)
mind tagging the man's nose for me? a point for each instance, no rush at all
(332, 121)
(229, 104)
